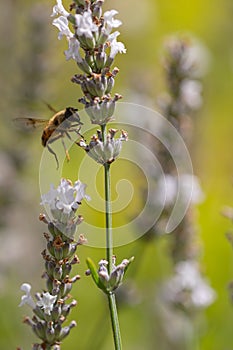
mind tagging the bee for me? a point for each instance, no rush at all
(55, 128)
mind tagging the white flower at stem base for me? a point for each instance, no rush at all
(59, 10)
(46, 302)
(27, 298)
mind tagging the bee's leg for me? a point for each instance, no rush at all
(66, 150)
(67, 134)
(76, 130)
(52, 151)
(57, 137)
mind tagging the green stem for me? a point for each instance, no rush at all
(115, 322)
(109, 249)
(108, 217)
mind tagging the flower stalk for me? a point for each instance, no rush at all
(109, 249)
(52, 306)
(108, 208)
(93, 45)
(114, 321)
(108, 216)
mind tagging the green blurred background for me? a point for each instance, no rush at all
(33, 70)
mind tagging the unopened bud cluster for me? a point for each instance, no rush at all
(51, 307)
(104, 152)
(108, 279)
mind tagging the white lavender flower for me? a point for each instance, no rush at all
(187, 185)
(27, 298)
(62, 24)
(66, 197)
(116, 46)
(59, 10)
(195, 59)
(110, 22)
(46, 302)
(85, 25)
(191, 93)
(187, 287)
(80, 191)
(73, 51)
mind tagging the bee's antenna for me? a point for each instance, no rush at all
(50, 107)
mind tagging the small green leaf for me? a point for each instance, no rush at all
(92, 267)
(130, 260)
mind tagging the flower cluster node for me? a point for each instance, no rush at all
(96, 84)
(63, 203)
(100, 110)
(108, 278)
(104, 151)
(49, 315)
(93, 45)
(50, 307)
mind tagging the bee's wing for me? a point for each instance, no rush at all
(30, 123)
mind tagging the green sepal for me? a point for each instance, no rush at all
(92, 267)
(130, 261)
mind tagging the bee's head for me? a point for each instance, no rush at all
(72, 114)
(70, 111)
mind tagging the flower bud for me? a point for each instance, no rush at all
(83, 65)
(50, 248)
(100, 60)
(51, 229)
(49, 284)
(66, 269)
(65, 288)
(39, 329)
(97, 9)
(50, 333)
(57, 273)
(39, 313)
(56, 312)
(110, 84)
(66, 330)
(57, 329)
(50, 266)
(58, 253)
